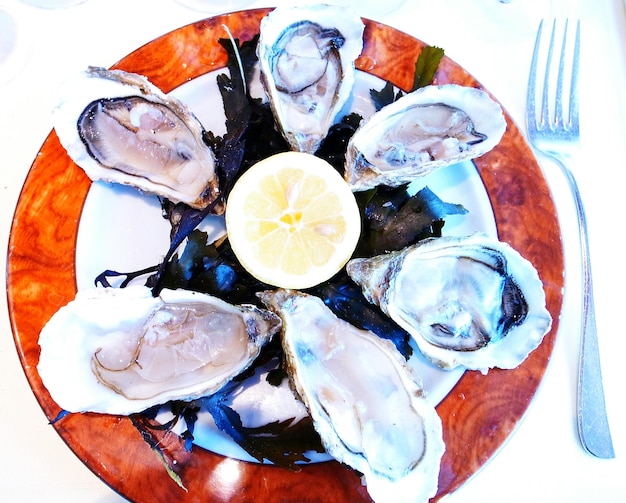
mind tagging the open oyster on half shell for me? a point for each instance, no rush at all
(121, 350)
(118, 127)
(366, 403)
(471, 301)
(427, 129)
(306, 56)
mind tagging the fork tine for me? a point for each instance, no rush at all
(531, 115)
(545, 107)
(571, 122)
(559, 120)
(573, 96)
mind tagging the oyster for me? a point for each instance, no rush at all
(306, 56)
(118, 127)
(366, 404)
(471, 301)
(427, 129)
(120, 351)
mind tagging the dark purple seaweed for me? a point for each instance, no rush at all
(345, 298)
(393, 219)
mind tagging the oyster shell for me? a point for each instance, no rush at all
(427, 129)
(471, 301)
(367, 405)
(120, 351)
(120, 128)
(306, 56)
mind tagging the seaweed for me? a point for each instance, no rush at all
(392, 218)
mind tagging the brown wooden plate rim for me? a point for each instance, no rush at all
(478, 414)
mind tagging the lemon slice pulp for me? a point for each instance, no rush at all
(292, 220)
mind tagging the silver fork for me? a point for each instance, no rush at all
(558, 138)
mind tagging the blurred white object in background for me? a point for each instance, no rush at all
(215, 5)
(501, 21)
(53, 4)
(14, 49)
(371, 9)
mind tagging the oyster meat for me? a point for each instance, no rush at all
(366, 403)
(424, 130)
(466, 301)
(306, 56)
(121, 350)
(118, 127)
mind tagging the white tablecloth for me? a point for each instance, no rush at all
(543, 460)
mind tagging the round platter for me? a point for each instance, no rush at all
(478, 414)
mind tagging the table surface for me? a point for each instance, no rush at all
(543, 460)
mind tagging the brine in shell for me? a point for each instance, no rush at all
(306, 56)
(366, 403)
(470, 301)
(121, 350)
(120, 128)
(427, 129)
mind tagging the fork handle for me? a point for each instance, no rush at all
(593, 425)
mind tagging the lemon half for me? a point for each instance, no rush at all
(292, 220)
